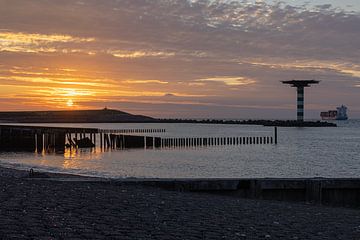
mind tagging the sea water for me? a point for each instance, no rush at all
(300, 152)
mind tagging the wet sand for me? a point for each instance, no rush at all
(72, 209)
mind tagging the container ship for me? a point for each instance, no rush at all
(339, 114)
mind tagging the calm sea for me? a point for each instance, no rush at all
(301, 152)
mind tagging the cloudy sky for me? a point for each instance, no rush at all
(179, 58)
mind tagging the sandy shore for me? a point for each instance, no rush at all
(33, 209)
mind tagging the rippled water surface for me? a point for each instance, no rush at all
(301, 152)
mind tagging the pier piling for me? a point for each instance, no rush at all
(35, 138)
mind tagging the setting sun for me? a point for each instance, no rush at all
(70, 103)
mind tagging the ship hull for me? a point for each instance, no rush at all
(328, 118)
(335, 119)
(342, 118)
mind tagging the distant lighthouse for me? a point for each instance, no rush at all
(300, 85)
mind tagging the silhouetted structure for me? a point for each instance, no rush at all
(55, 139)
(300, 85)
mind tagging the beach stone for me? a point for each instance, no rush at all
(42, 209)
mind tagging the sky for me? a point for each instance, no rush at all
(180, 58)
(349, 5)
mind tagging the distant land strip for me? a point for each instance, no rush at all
(268, 123)
(74, 116)
(116, 116)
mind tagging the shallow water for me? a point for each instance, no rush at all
(301, 152)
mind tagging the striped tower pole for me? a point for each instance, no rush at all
(300, 103)
(300, 85)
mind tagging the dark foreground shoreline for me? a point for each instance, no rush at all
(85, 208)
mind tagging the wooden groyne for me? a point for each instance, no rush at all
(35, 138)
(218, 141)
(214, 141)
(121, 141)
(128, 141)
(39, 138)
(132, 130)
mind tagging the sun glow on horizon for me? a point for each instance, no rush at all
(70, 103)
(71, 87)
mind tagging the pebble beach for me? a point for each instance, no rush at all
(74, 209)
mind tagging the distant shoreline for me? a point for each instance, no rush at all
(267, 123)
(115, 116)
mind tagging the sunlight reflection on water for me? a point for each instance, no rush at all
(301, 152)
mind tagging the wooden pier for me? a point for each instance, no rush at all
(48, 139)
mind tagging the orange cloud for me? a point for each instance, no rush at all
(140, 54)
(34, 43)
(229, 80)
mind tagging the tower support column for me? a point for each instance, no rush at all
(300, 85)
(300, 103)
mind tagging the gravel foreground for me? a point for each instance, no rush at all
(34, 209)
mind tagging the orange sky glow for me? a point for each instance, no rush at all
(185, 59)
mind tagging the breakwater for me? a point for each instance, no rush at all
(215, 141)
(115, 116)
(39, 139)
(42, 138)
(268, 123)
(343, 192)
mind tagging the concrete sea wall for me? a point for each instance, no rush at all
(332, 192)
